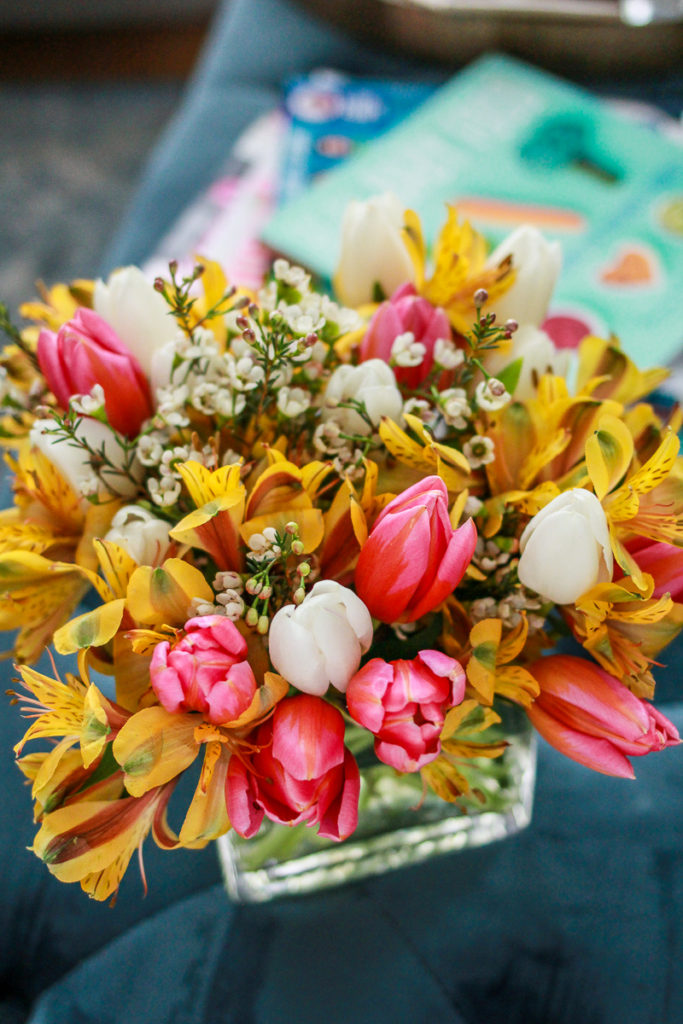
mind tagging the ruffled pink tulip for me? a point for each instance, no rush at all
(301, 772)
(85, 352)
(664, 562)
(593, 718)
(413, 558)
(405, 311)
(404, 703)
(205, 670)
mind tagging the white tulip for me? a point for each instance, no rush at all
(138, 313)
(372, 250)
(538, 354)
(537, 265)
(74, 462)
(373, 383)
(142, 535)
(320, 641)
(566, 548)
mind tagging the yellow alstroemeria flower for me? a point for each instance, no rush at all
(460, 270)
(46, 549)
(625, 627)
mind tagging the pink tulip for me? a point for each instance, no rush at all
(413, 558)
(85, 352)
(664, 562)
(593, 718)
(301, 772)
(405, 311)
(404, 704)
(205, 670)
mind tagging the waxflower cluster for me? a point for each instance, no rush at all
(320, 535)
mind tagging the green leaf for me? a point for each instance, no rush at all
(510, 375)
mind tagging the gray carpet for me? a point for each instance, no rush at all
(70, 157)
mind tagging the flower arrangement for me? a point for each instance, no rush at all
(308, 534)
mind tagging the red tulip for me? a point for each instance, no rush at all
(300, 772)
(404, 312)
(413, 558)
(404, 703)
(86, 351)
(664, 562)
(593, 718)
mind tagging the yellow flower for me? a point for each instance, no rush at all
(460, 257)
(46, 544)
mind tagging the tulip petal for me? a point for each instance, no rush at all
(308, 736)
(598, 754)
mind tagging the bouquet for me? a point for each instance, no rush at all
(272, 534)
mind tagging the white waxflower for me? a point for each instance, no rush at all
(447, 355)
(320, 642)
(372, 250)
(419, 407)
(405, 351)
(90, 404)
(295, 277)
(137, 312)
(455, 407)
(293, 401)
(373, 384)
(491, 394)
(565, 548)
(479, 451)
(165, 491)
(141, 534)
(150, 449)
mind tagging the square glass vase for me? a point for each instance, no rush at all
(400, 823)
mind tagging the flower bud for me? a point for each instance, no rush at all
(566, 547)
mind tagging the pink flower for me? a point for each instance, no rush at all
(664, 562)
(413, 558)
(593, 718)
(404, 704)
(405, 312)
(85, 352)
(206, 670)
(301, 772)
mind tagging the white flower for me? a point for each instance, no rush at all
(90, 404)
(141, 534)
(405, 351)
(491, 394)
(293, 401)
(455, 406)
(150, 449)
(566, 548)
(74, 462)
(320, 641)
(138, 313)
(372, 250)
(479, 451)
(165, 491)
(446, 354)
(537, 265)
(419, 407)
(292, 275)
(373, 384)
